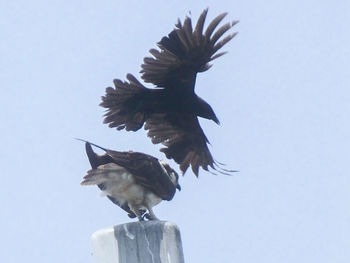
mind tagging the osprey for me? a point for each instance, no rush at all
(134, 181)
(170, 111)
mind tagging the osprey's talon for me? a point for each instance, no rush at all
(131, 215)
(151, 216)
(148, 216)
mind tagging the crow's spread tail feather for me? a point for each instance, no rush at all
(125, 104)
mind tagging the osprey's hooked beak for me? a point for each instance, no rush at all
(178, 187)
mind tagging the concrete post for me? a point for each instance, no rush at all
(138, 242)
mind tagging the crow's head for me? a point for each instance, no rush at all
(206, 111)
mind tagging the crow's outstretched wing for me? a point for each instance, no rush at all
(184, 139)
(185, 52)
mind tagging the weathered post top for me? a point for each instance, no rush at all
(138, 242)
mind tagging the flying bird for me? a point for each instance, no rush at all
(170, 111)
(134, 181)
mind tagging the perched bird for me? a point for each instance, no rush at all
(134, 181)
(170, 111)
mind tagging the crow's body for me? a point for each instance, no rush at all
(170, 111)
(148, 102)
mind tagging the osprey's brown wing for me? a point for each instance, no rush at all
(185, 52)
(147, 171)
(184, 139)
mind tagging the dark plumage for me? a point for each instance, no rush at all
(134, 181)
(170, 111)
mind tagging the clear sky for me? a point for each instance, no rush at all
(281, 94)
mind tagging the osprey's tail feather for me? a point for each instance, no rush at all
(125, 104)
(94, 177)
(101, 174)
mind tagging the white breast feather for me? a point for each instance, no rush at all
(120, 184)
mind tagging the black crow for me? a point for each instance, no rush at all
(134, 181)
(170, 111)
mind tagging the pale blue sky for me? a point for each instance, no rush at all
(281, 94)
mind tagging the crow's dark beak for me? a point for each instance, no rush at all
(216, 120)
(178, 187)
